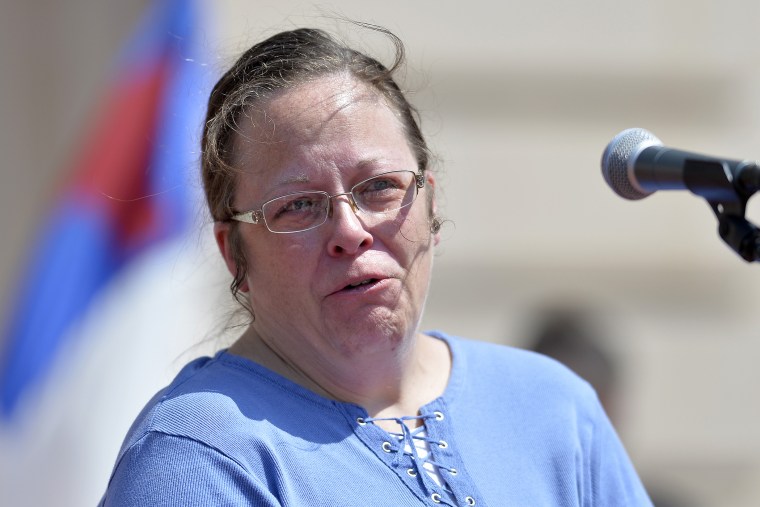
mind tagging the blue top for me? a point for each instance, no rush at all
(512, 429)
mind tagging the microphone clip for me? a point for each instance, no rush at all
(730, 205)
(741, 235)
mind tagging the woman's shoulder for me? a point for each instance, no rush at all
(498, 354)
(218, 400)
(201, 392)
(220, 412)
(487, 364)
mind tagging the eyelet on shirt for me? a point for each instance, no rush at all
(443, 444)
(436, 497)
(438, 415)
(470, 500)
(360, 421)
(411, 472)
(387, 447)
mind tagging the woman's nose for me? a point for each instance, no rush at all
(348, 234)
(349, 198)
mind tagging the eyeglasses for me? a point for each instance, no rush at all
(302, 211)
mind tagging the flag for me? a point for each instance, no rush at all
(131, 189)
(117, 276)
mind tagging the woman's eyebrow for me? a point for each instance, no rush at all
(298, 178)
(371, 162)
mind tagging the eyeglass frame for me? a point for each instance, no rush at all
(256, 216)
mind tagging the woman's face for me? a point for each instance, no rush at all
(357, 283)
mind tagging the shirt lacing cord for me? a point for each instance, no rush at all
(408, 448)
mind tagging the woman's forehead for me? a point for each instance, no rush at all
(318, 113)
(311, 106)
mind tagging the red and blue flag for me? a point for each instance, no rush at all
(134, 185)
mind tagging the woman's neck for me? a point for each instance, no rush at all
(393, 384)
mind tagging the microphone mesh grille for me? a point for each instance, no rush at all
(616, 157)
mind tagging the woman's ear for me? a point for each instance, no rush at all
(435, 222)
(223, 235)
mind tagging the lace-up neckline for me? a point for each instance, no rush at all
(413, 446)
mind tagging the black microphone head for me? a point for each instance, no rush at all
(618, 159)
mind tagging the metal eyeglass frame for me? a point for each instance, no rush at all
(256, 216)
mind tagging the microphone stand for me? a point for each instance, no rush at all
(727, 187)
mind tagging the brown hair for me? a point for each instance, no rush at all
(281, 62)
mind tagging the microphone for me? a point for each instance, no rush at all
(635, 164)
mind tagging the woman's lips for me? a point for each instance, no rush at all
(357, 285)
(360, 286)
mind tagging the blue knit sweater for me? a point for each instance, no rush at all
(512, 429)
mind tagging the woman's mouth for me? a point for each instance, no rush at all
(354, 286)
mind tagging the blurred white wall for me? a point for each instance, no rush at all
(518, 100)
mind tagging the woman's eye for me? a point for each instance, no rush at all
(296, 205)
(299, 205)
(379, 185)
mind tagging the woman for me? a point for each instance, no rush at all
(316, 175)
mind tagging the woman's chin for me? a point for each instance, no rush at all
(372, 331)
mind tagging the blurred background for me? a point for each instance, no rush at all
(518, 101)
